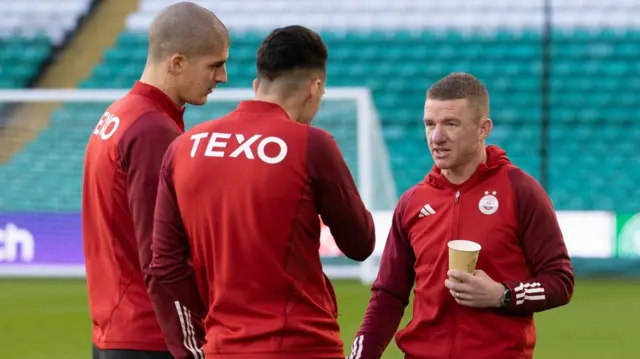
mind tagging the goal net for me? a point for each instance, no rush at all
(43, 134)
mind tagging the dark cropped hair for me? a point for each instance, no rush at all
(288, 49)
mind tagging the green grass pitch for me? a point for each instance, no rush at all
(49, 319)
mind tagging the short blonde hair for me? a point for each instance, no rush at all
(185, 28)
(460, 85)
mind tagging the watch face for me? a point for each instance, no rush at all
(507, 298)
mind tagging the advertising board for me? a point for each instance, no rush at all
(50, 244)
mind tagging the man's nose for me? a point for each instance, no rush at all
(220, 75)
(437, 136)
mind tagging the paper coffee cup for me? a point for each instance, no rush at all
(463, 255)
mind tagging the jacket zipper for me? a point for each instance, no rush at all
(454, 234)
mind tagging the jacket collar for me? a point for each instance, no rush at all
(496, 158)
(263, 107)
(157, 96)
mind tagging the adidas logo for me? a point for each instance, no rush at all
(426, 211)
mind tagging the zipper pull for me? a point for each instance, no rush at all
(457, 196)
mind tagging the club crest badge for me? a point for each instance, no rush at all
(489, 203)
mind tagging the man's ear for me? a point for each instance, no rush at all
(486, 125)
(256, 83)
(315, 87)
(177, 63)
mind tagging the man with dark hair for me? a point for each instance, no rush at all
(473, 192)
(188, 48)
(240, 198)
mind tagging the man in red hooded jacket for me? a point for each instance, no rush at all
(473, 192)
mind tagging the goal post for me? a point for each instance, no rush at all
(42, 137)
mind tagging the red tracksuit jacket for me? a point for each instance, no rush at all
(122, 165)
(509, 214)
(239, 197)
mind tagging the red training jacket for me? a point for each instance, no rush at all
(240, 198)
(122, 165)
(508, 213)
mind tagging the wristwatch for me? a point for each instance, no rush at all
(506, 298)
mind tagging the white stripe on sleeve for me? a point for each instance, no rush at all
(529, 291)
(356, 348)
(188, 333)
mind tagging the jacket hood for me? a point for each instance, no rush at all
(496, 158)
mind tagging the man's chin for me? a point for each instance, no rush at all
(442, 164)
(199, 101)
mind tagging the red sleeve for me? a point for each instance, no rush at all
(390, 292)
(545, 251)
(171, 264)
(337, 199)
(141, 149)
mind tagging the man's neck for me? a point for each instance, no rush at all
(152, 77)
(460, 174)
(286, 106)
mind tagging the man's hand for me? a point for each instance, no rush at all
(476, 290)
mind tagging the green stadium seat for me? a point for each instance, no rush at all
(593, 103)
(21, 58)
